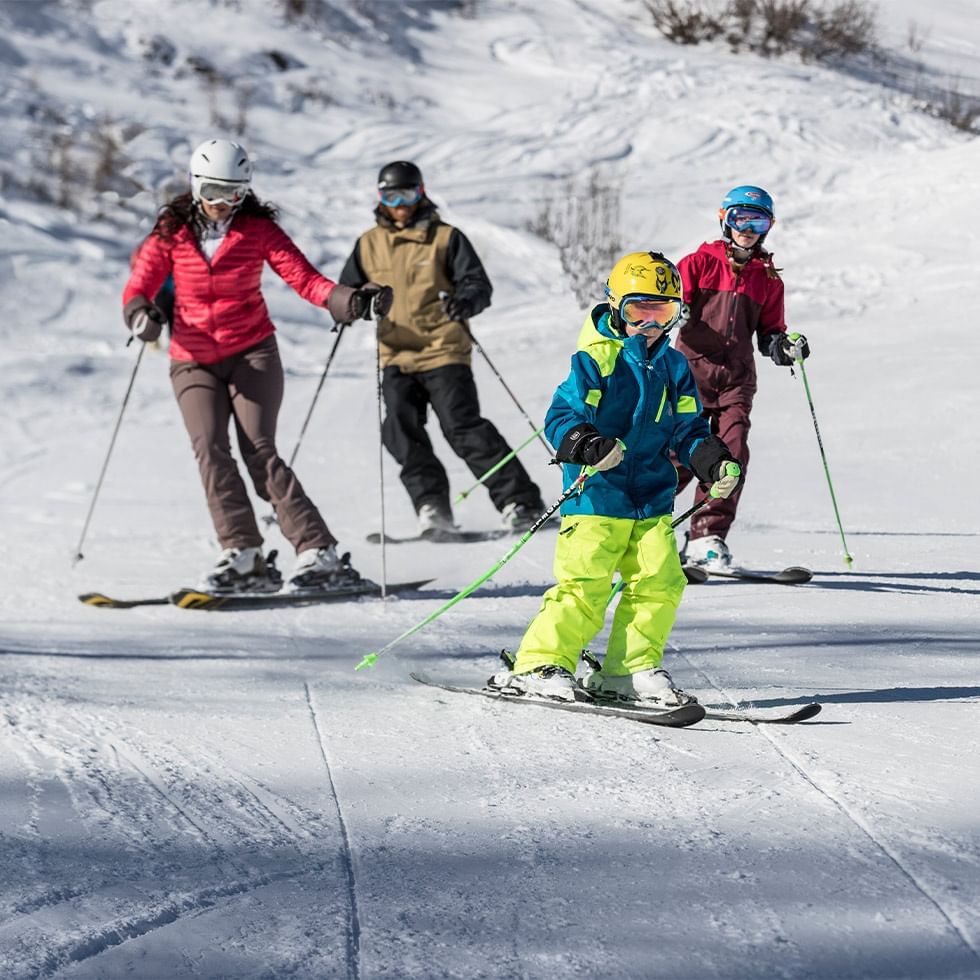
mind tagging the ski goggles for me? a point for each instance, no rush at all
(646, 312)
(215, 193)
(393, 197)
(748, 219)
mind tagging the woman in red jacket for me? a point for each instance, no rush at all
(225, 364)
(735, 294)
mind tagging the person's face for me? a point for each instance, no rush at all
(402, 213)
(216, 212)
(744, 239)
(652, 334)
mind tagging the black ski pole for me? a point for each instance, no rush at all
(338, 329)
(381, 466)
(105, 464)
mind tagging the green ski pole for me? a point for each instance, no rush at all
(371, 659)
(848, 559)
(496, 466)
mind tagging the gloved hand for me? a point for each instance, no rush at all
(145, 321)
(584, 446)
(457, 307)
(378, 299)
(728, 478)
(708, 461)
(346, 304)
(787, 349)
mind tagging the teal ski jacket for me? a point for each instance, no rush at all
(646, 398)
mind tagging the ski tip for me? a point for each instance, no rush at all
(370, 659)
(95, 599)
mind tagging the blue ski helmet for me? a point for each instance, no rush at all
(746, 196)
(749, 196)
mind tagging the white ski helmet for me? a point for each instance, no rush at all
(219, 162)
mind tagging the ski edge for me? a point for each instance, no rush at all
(791, 575)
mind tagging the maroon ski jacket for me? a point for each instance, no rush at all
(728, 307)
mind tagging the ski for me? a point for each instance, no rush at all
(688, 714)
(763, 716)
(196, 599)
(108, 602)
(793, 575)
(441, 537)
(695, 574)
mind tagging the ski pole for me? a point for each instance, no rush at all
(381, 467)
(339, 329)
(493, 469)
(848, 559)
(105, 465)
(371, 658)
(537, 432)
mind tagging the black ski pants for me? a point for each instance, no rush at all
(451, 391)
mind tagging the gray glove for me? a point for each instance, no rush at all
(145, 321)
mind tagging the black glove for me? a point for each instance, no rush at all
(145, 321)
(786, 349)
(458, 307)
(708, 459)
(377, 299)
(584, 446)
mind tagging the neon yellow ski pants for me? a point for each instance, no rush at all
(590, 550)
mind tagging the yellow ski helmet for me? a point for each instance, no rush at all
(642, 279)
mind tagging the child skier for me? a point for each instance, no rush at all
(734, 291)
(628, 402)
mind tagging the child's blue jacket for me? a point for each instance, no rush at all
(647, 399)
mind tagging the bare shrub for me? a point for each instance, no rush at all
(583, 221)
(685, 21)
(956, 107)
(770, 27)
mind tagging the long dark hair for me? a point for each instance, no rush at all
(182, 210)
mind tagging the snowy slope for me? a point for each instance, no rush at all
(200, 795)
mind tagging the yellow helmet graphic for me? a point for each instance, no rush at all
(644, 276)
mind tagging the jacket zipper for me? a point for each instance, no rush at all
(731, 309)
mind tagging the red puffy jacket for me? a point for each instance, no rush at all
(219, 308)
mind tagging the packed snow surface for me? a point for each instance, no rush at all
(189, 794)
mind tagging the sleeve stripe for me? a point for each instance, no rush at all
(687, 405)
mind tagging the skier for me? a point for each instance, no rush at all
(440, 284)
(225, 363)
(734, 291)
(628, 402)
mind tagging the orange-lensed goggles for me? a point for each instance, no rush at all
(646, 313)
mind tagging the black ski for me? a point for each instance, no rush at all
(196, 599)
(688, 714)
(764, 716)
(696, 575)
(441, 537)
(793, 575)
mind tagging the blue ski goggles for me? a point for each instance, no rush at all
(748, 219)
(394, 197)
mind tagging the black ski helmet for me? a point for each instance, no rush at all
(401, 173)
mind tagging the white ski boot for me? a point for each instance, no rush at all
(551, 681)
(242, 570)
(710, 553)
(653, 688)
(323, 570)
(436, 522)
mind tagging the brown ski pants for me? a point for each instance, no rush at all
(248, 387)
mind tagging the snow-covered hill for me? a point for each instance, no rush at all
(187, 794)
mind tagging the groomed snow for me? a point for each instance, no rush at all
(188, 794)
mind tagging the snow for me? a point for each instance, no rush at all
(187, 794)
